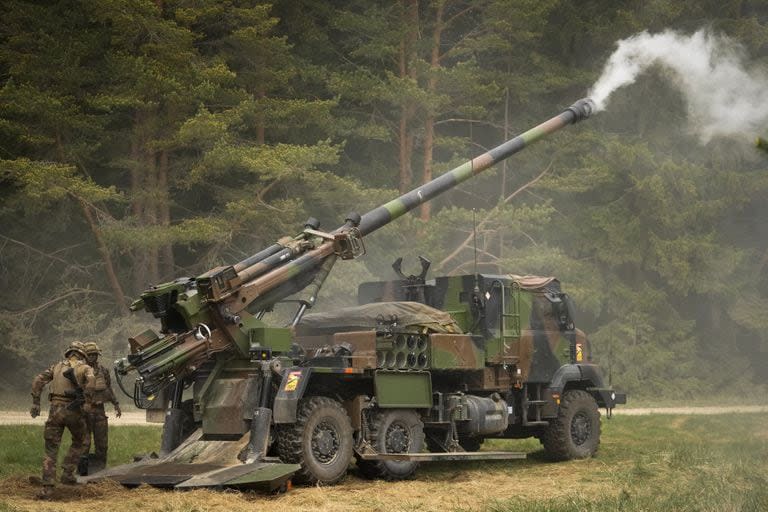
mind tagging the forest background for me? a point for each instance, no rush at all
(146, 140)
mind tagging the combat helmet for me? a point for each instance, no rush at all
(91, 348)
(76, 347)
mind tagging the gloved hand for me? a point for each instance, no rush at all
(35, 410)
(118, 412)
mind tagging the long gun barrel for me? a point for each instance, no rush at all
(227, 298)
(385, 214)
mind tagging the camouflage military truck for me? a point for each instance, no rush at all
(440, 364)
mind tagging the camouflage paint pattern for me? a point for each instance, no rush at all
(390, 211)
(60, 416)
(97, 426)
(533, 342)
(455, 352)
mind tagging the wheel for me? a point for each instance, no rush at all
(575, 433)
(320, 440)
(393, 431)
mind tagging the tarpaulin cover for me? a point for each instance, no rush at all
(369, 316)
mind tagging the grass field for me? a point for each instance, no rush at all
(645, 463)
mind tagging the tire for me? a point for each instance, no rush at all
(320, 440)
(393, 431)
(575, 433)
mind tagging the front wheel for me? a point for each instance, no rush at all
(575, 433)
(320, 440)
(393, 431)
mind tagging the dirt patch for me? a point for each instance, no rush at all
(438, 488)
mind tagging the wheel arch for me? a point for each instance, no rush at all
(585, 377)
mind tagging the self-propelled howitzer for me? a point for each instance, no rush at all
(316, 412)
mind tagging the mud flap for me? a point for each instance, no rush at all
(291, 390)
(172, 430)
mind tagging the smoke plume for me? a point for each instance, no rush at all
(724, 96)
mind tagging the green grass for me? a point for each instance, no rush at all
(22, 446)
(645, 463)
(666, 462)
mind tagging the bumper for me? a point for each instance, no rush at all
(607, 397)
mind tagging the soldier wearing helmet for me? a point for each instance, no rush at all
(71, 384)
(96, 419)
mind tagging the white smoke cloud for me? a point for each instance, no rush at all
(724, 97)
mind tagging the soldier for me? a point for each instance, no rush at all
(95, 418)
(71, 383)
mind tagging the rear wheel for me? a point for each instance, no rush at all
(575, 433)
(320, 440)
(393, 431)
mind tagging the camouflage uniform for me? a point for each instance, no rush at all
(96, 418)
(71, 381)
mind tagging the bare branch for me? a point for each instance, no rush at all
(461, 266)
(70, 293)
(47, 255)
(493, 212)
(467, 120)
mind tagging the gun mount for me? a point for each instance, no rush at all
(249, 377)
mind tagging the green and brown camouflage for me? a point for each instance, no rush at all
(447, 362)
(761, 143)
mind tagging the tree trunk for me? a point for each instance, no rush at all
(167, 264)
(150, 215)
(407, 55)
(429, 125)
(114, 283)
(137, 194)
(503, 183)
(260, 129)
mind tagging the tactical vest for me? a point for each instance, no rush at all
(100, 387)
(62, 389)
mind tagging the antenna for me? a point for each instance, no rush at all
(474, 242)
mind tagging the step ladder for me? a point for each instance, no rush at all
(531, 407)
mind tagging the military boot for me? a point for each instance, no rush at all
(46, 493)
(83, 465)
